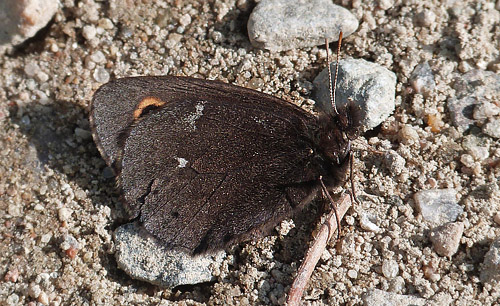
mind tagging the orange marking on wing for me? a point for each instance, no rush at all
(145, 103)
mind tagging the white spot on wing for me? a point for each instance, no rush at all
(182, 162)
(191, 118)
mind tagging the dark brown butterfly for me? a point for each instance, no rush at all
(204, 164)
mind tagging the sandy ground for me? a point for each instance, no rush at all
(54, 186)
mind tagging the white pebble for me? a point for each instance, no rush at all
(385, 4)
(368, 225)
(31, 69)
(64, 214)
(185, 20)
(98, 57)
(42, 77)
(101, 75)
(45, 238)
(106, 24)
(352, 274)
(467, 160)
(390, 268)
(89, 32)
(34, 291)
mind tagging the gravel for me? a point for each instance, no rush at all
(56, 192)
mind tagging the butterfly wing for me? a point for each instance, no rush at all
(213, 164)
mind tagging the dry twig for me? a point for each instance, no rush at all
(313, 255)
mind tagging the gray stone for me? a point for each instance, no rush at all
(394, 162)
(438, 206)
(446, 238)
(143, 257)
(492, 128)
(476, 101)
(490, 271)
(370, 86)
(422, 79)
(376, 297)
(279, 25)
(20, 20)
(461, 112)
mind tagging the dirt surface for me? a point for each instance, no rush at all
(60, 204)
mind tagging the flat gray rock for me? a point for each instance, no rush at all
(438, 206)
(279, 25)
(20, 20)
(143, 257)
(476, 101)
(376, 297)
(371, 87)
(490, 270)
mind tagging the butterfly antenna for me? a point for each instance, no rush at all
(334, 88)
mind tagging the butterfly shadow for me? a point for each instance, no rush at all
(59, 133)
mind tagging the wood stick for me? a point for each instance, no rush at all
(313, 255)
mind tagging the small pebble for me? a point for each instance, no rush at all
(185, 20)
(492, 128)
(14, 210)
(479, 153)
(475, 96)
(496, 218)
(430, 272)
(21, 20)
(385, 4)
(446, 239)
(31, 69)
(422, 79)
(64, 214)
(46, 238)
(467, 160)
(148, 260)
(101, 75)
(39, 207)
(390, 268)
(71, 252)
(43, 298)
(89, 32)
(41, 77)
(435, 121)
(13, 299)
(425, 18)
(34, 290)
(98, 57)
(11, 275)
(106, 24)
(408, 134)
(71, 244)
(394, 162)
(485, 110)
(397, 284)
(368, 225)
(352, 274)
